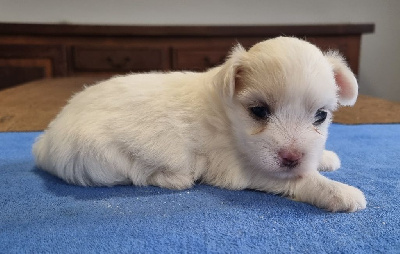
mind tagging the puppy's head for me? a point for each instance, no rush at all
(279, 97)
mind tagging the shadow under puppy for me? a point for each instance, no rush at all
(258, 121)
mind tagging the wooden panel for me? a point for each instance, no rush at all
(348, 46)
(11, 75)
(109, 59)
(44, 64)
(18, 71)
(198, 59)
(55, 53)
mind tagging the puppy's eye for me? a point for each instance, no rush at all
(260, 112)
(320, 116)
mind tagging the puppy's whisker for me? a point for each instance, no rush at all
(317, 131)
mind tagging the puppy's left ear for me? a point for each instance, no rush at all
(230, 72)
(345, 79)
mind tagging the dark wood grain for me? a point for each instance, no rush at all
(22, 63)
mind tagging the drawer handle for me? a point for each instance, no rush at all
(118, 65)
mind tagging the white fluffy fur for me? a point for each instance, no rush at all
(172, 129)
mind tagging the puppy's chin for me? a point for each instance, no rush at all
(289, 173)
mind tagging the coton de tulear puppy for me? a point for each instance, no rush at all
(258, 121)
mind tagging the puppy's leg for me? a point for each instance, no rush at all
(327, 194)
(317, 190)
(171, 180)
(329, 161)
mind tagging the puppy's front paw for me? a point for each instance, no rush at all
(328, 194)
(329, 161)
(343, 198)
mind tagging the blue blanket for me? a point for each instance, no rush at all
(40, 213)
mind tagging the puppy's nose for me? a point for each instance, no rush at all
(290, 158)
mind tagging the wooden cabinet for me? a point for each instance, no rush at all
(33, 51)
(22, 63)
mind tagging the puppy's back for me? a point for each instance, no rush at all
(96, 136)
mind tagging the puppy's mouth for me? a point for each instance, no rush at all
(289, 165)
(288, 169)
(275, 168)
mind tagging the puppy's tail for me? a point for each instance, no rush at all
(38, 150)
(48, 158)
(78, 165)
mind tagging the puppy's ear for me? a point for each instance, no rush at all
(345, 79)
(231, 70)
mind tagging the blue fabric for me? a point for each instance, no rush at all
(40, 213)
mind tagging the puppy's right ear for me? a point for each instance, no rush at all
(344, 78)
(228, 76)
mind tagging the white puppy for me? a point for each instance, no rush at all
(258, 121)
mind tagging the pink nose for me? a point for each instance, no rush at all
(290, 158)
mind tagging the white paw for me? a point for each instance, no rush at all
(342, 198)
(329, 161)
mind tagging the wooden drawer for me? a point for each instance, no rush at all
(23, 63)
(198, 59)
(110, 59)
(18, 71)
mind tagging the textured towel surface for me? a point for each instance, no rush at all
(40, 213)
